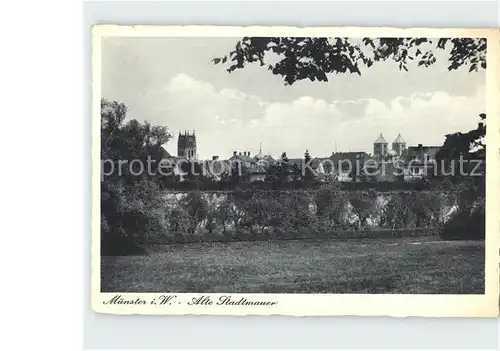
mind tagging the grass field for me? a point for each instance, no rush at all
(305, 266)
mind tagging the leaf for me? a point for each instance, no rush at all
(339, 55)
(420, 41)
(322, 76)
(355, 69)
(441, 43)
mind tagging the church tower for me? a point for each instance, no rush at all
(380, 147)
(186, 145)
(399, 145)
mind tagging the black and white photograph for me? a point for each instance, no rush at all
(277, 164)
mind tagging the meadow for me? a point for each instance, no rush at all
(375, 266)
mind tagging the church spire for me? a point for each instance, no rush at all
(380, 140)
(399, 145)
(399, 139)
(260, 155)
(380, 147)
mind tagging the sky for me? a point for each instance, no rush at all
(172, 82)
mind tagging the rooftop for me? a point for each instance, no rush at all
(380, 140)
(399, 140)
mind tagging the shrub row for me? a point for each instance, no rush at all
(196, 184)
(233, 236)
(145, 213)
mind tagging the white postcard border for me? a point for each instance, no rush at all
(397, 305)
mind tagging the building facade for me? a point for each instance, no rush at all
(186, 146)
(380, 147)
(419, 161)
(399, 146)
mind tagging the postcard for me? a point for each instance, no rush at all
(295, 171)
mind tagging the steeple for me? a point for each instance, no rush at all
(260, 155)
(186, 145)
(380, 147)
(399, 145)
(399, 140)
(380, 140)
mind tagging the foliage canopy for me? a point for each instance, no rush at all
(314, 57)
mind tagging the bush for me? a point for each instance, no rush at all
(465, 226)
(331, 207)
(129, 215)
(142, 213)
(468, 223)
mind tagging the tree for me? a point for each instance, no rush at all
(279, 172)
(398, 213)
(131, 206)
(284, 158)
(284, 167)
(331, 206)
(223, 213)
(308, 172)
(129, 141)
(197, 208)
(313, 58)
(466, 148)
(462, 159)
(296, 173)
(363, 205)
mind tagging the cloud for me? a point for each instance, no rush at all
(228, 119)
(220, 117)
(351, 108)
(422, 117)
